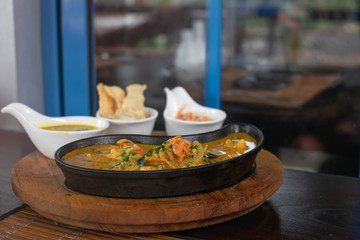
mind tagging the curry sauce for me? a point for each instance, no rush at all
(124, 155)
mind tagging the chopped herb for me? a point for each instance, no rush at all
(210, 155)
(141, 161)
(159, 148)
(125, 159)
(162, 148)
(149, 153)
(153, 151)
(194, 147)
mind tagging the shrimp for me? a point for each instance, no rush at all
(190, 116)
(180, 147)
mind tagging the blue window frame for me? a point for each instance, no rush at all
(69, 57)
(51, 60)
(213, 54)
(69, 81)
(75, 57)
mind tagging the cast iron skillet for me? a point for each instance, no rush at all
(160, 183)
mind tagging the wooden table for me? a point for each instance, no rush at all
(298, 91)
(307, 206)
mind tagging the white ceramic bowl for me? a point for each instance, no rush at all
(48, 141)
(175, 99)
(141, 126)
(181, 127)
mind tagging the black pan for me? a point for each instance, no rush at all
(160, 183)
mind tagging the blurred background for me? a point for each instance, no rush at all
(290, 67)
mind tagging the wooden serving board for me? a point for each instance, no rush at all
(38, 182)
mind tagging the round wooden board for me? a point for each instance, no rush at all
(38, 182)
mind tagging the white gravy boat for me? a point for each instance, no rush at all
(175, 100)
(48, 141)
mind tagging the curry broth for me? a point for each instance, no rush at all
(69, 127)
(101, 156)
(79, 157)
(230, 153)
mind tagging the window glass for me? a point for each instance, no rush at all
(150, 42)
(289, 67)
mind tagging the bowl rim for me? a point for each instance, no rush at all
(154, 114)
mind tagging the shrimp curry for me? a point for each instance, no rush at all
(176, 152)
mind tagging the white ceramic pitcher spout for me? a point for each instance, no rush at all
(47, 141)
(25, 115)
(178, 98)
